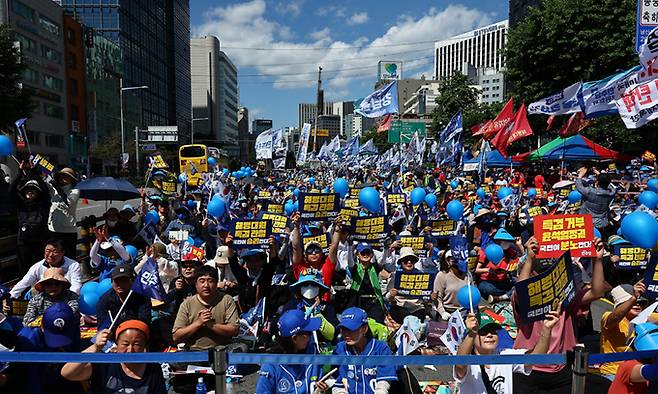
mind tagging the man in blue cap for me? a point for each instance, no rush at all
(358, 340)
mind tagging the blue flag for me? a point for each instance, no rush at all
(148, 281)
(380, 102)
(459, 249)
(450, 142)
(351, 148)
(256, 313)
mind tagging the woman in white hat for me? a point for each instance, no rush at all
(402, 306)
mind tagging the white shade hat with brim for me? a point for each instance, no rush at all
(405, 252)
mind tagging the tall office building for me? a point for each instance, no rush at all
(154, 37)
(260, 125)
(481, 48)
(246, 142)
(343, 108)
(214, 95)
(38, 26)
(308, 112)
(477, 54)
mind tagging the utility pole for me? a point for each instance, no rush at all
(320, 109)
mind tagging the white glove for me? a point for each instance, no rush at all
(445, 316)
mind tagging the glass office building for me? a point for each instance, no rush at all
(154, 37)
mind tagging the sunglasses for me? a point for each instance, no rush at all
(366, 253)
(406, 261)
(314, 250)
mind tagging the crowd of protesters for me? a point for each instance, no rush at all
(310, 298)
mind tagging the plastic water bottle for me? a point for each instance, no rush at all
(200, 387)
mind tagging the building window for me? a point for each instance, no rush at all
(75, 113)
(49, 25)
(54, 111)
(22, 10)
(74, 87)
(53, 83)
(30, 75)
(70, 35)
(27, 44)
(51, 54)
(71, 61)
(56, 141)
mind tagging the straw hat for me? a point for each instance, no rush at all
(52, 273)
(67, 171)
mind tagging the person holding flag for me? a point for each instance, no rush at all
(119, 303)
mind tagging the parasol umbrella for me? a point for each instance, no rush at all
(562, 184)
(107, 188)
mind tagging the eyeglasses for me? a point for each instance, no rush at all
(313, 250)
(53, 251)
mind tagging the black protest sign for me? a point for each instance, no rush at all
(251, 234)
(319, 206)
(630, 257)
(370, 229)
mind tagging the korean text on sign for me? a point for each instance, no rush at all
(545, 292)
(252, 233)
(319, 206)
(322, 239)
(372, 229)
(415, 243)
(274, 208)
(279, 222)
(559, 233)
(351, 203)
(651, 279)
(630, 257)
(396, 198)
(346, 214)
(443, 228)
(414, 285)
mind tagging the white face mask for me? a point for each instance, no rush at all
(111, 223)
(310, 291)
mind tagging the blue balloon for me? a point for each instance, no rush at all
(234, 174)
(455, 210)
(191, 204)
(182, 178)
(151, 217)
(640, 229)
(504, 192)
(431, 200)
(243, 169)
(649, 199)
(532, 192)
(212, 161)
(574, 196)
(326, 190)
(295, 206)
(216, 207)
(341, 187)
(225, 171)
(296, 192)
(494, 253)
(6, 146)
(480, 192)
(454, 184)
(87, 302)
(597, 233)
(104, 286)
(417, 196)
(653, 185)
(289, 207)
(132, 251)
(469, 302)
(89, 287)
(311, 180)
(369, 199)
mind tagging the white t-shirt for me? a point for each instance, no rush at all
(500, 376)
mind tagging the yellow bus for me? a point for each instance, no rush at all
(193, 161)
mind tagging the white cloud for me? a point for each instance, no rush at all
(246, 25)
(290, 7)
(358, 18)
(332, 10)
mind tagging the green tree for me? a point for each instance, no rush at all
(379, 139)
(15, 101)
(566, 41)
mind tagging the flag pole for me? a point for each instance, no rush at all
(116, 318)
(470, 297)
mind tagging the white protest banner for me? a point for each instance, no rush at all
(264, 145)
(598, 97)
(563, 102)
(303, 143)
(639, 105)
(649, 50)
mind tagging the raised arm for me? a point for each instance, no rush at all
(598, 284)
(297, 252)
(80, 372)
(467, 344)
(335, 241)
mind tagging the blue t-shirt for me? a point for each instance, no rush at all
(294, 379)
(360, 379)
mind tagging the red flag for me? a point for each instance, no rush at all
(519, 128)
(574, 125)
(549, 122)
(385, 125)
(502, 120)
(478, 128)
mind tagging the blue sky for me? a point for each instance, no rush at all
(347, 38)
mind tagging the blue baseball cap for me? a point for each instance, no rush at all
(252, 252)
(60, 326)
(353, 318)
(362, 246)
(503, 235)
(294, 321)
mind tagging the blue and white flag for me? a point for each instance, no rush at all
(563, 102)
(598, 97)
(450, 142)
(482, 163)
(148, 281)
(368, 148)
(304, 136)
(264, 147)
(453, 129)
(351, 148)
(255, 314)
(459, 249)
(380, 102)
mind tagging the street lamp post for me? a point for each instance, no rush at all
(121, 90)
(192, 133)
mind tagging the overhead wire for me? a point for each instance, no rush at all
(332, 47)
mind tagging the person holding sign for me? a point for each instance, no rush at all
(402, 306)
(563, 337)
(482, 339)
